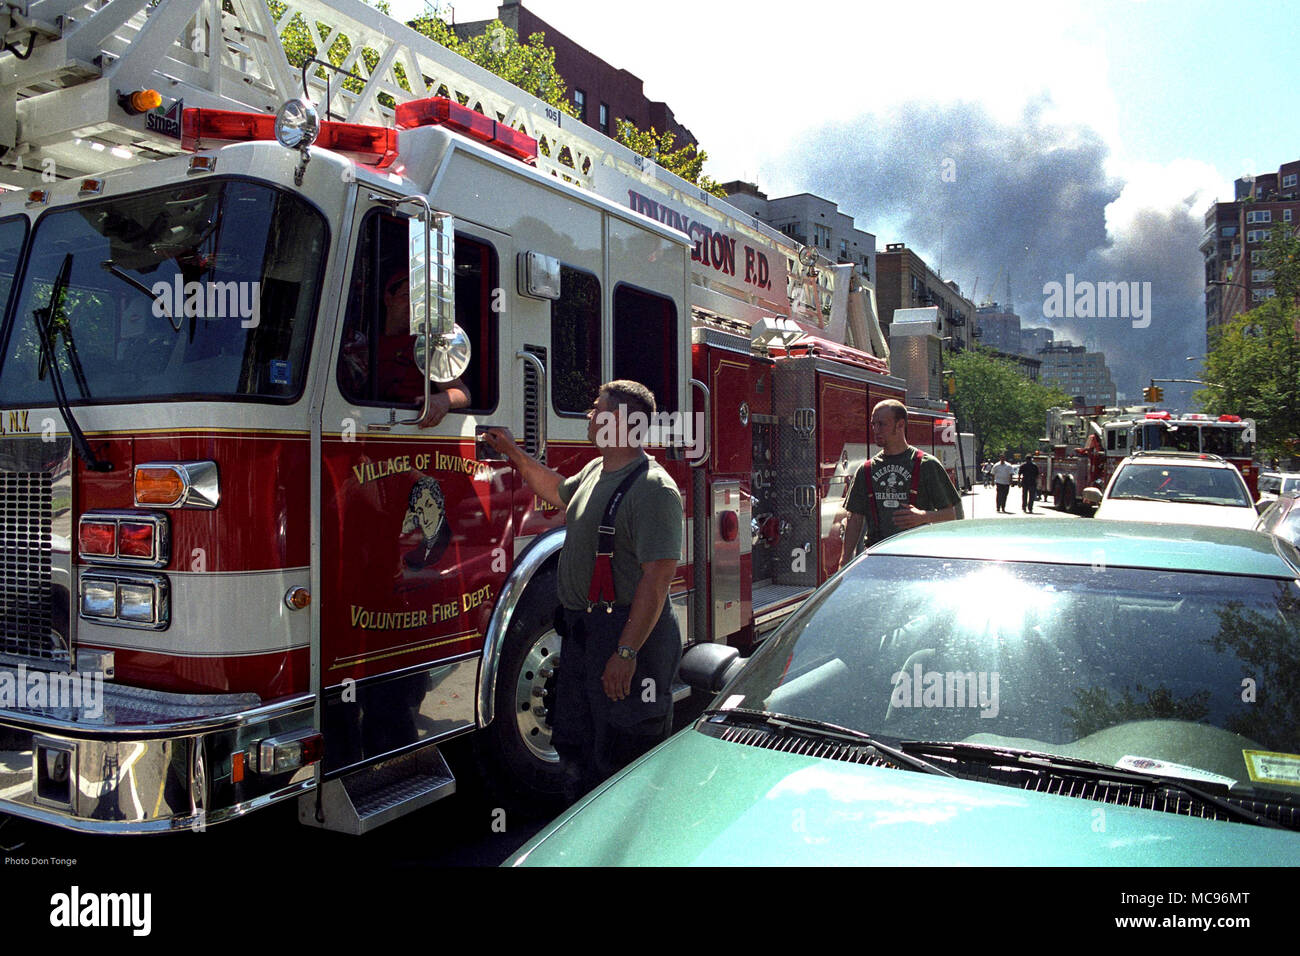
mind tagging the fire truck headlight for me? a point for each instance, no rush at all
(139, 603)
(99, 599)
(297, 124)
(289, 752)
(126, 599)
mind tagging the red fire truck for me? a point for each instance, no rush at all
(1070, 459)
(1228, 436)
(228, 491)
(1084, 446)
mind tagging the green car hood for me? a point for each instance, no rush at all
(697, 800)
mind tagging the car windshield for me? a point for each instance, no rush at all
(1189, 484)
(200, 290)
(1106, 664)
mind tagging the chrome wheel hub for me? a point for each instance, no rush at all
(535, 695)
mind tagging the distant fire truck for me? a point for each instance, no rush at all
(1229, 436)
(228, 490)
(1084, 446)
(1070, 459)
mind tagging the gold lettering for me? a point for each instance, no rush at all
(444, 612)
(374, 470)
(387, 620)
(17, 422)
(471, 599)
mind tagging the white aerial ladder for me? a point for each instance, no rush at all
(67, 66)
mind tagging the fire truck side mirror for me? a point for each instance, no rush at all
(431, 240)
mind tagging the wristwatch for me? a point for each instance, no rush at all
(625, 653)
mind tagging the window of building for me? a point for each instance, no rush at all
(377, 361)
(575, 342)
(1289, 180)
(1259, 215)
(580, 104)
(645, 343)
(1259, 295)
(604, 118)
(1256, 257)
(1260, 275)
(1257, 235)
(1286, 215)
(821, 235)
(1227, 232)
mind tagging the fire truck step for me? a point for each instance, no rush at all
(361, 801)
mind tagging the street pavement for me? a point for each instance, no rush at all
(981, 502)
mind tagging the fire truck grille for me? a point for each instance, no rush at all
(26, 591)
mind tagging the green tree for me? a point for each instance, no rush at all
(1254, 360)
(529, 66)
(997, 404)
(687, 161)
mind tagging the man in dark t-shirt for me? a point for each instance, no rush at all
(900, 488)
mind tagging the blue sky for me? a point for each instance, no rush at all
(1089, 138)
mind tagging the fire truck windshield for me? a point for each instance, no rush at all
(203, 291)
(1214, 438)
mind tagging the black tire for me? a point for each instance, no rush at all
(1056, 494)
(520, 768)
(1067, 493)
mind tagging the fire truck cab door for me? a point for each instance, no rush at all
(416, 527)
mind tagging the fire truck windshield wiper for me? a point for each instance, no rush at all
(44, 324)
(108, 266)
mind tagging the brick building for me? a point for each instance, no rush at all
(904, 281)
(1233, 242)
(602, 93)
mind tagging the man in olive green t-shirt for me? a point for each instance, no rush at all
(614, 697)
(892, 479)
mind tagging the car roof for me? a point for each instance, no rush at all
(1119, 544)
(1195, 459)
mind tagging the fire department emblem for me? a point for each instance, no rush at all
(426, 511)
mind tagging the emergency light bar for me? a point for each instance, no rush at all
(440, 111)
(205, 128)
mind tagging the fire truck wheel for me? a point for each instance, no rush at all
(1067, 493)
(521, 767)
(1056, 494)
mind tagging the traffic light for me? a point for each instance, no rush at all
(1153, 393)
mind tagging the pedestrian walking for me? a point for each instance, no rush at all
(1002, 473)
(1028, 485)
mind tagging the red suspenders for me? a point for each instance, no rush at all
(912, 496)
